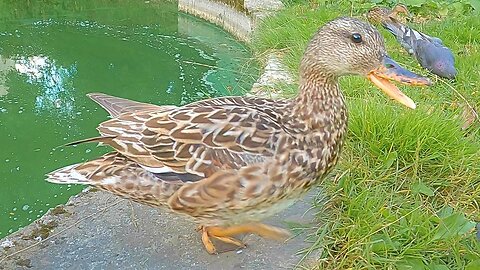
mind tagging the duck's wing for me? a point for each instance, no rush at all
(197, 139)
(116, 106)
(198, 159)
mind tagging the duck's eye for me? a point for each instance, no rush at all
(356, 37)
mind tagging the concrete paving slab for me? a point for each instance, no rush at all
(97, 230)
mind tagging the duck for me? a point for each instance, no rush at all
(377, 14)
(227, 163)
(429, 51)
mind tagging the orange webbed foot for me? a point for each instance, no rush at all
(225, 234)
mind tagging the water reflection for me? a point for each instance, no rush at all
(6, 65)
(55, 81)
(219, 77)
(183, 88)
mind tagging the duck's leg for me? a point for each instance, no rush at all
(207, 242)
(260, 229)
(225, 234)
(210, 247)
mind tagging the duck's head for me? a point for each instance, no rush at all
(401, 8)
(377, 14)
(350, 46)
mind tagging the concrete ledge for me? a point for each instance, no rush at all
(274, 73)
(260, 9)
(97, 230)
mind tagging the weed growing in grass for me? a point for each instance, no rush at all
(406, 192)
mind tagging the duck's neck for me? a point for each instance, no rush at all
(320, 103)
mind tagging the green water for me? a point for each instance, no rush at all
(54, 52)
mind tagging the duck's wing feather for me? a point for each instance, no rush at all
(199, 159)
(116, 106)
(199, 139)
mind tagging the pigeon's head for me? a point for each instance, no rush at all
(437, 58)
(444, 69)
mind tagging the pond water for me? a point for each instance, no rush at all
(54, 52)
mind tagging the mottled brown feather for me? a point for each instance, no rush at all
(116, 106)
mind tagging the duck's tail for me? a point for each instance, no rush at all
(119, 175)
(67, 175)
(116, 106)
(92, 172)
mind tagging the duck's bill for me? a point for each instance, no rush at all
(391, 71)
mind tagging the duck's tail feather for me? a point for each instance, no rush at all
(100, 139)
(95, 171)
(67, 175)
(119, 175)
(87, 173)
(116, 106)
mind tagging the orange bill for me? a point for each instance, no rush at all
(390, 70)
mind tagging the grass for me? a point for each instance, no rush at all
(406, 192)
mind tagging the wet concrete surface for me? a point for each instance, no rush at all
(97, 230)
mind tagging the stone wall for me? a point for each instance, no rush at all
(241, 24)
(238, 23)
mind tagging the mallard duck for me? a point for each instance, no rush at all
(429, 51)
(381, 15)
(378, 14)
(229, 162)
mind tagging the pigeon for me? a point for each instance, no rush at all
(429, 51)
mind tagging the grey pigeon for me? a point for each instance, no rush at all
(429, 51)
